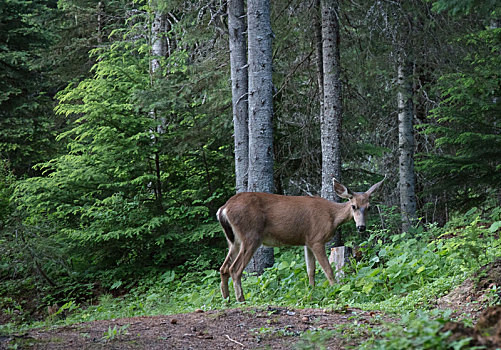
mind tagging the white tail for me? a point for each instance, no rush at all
(250, 219)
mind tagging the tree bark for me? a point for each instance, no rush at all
(332, 99)
(158, 39)
(239, 85)
(158, 49)
(331, 102)
(317, 24)
(100, 11)
(406, 142)
(260, 112)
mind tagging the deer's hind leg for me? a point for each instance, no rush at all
(247, 250)
(224, 270)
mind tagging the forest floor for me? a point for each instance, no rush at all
(251, 328)
(267, 327)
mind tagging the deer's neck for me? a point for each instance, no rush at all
(342, 213)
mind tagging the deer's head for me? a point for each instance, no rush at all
(359, 202)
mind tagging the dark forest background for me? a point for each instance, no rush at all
(112, 170)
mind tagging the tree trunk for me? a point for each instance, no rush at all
(100, 12)
(239, 86)
(158, 40)
(340, 256)
(332, 100)
(158, 49)
(331, 115)
(317, 24)
(406, 142)
(260, 112)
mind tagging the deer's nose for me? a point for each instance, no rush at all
(361, 228)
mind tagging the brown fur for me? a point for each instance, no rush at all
(250, 219)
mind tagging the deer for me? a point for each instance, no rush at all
(252, 219)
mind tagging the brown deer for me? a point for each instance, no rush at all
(250, 219)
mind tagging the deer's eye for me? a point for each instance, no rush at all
(354, 207)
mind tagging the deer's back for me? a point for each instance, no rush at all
(280, 220)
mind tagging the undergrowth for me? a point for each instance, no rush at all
(398, 274)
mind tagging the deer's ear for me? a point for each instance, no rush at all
(341, 190)
(375, 186)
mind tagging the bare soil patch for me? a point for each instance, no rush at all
(269, 328)
(470, 299)
(485, 334)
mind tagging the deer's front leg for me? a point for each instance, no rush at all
(310, 264)
(319, 251)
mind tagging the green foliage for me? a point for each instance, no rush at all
(104, 192)
(133, 193)
(402, 273)
(466, 124)
(493, 295)
(418, 330)
(7, 179)
(26, 127)
(112, 333)
(489, 8)
(80, 26)
(314, 340)
(134, 165)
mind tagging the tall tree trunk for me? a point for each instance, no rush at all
(332, 100)
(317, 25)
(406, 142)
(332, 112)
(158, 49)
(100, 12)
(239, 86)
(158, 40)
(260, 112)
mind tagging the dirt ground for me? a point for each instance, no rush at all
(471, 299)
(250, 328)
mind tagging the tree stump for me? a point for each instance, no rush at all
(340, 256)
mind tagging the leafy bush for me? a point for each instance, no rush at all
(6, 181)
(134, 195)
(419, 265)
(418, 330)
(465, 125)
(117, 204)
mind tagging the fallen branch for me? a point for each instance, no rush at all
(236, 342)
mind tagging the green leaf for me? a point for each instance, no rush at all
(283, 265)
(345, 288)
(495, 226)
(116, 284)
(367, 287)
